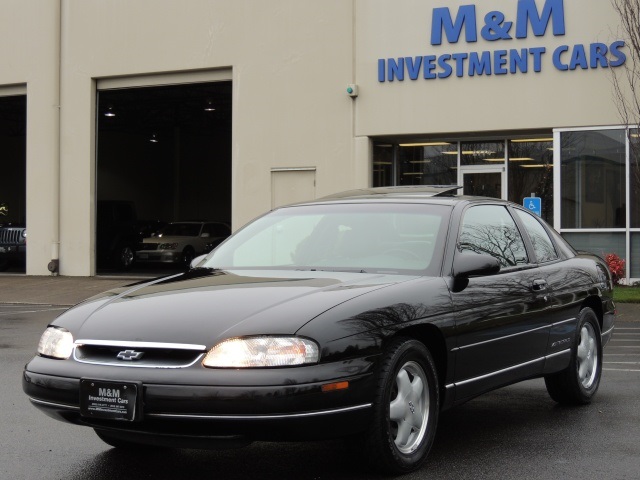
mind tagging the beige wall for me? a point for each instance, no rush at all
(290, 61)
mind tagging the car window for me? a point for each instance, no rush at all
(489, 229)
(182, 229)
(542, 244)
(368, 237)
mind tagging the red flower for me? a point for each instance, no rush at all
(616, 266)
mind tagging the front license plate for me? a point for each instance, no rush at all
(109, 400)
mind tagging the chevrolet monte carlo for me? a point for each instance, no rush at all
(359, 315)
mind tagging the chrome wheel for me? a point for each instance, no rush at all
(409, 407)
(587, 356)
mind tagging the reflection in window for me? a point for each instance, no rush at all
(432, 163)
(593, 179)
(542, 245)
(482, 153)
(531, 171)
(489, 229)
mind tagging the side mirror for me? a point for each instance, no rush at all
(467, 264)
(194, 263)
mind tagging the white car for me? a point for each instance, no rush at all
(181, 242)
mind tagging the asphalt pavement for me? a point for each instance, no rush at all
(67, 291)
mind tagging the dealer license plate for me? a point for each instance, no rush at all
(109, 400)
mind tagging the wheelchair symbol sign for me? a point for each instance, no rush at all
(533, 204)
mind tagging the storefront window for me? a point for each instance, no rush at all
(482, 153)
(634, 177)
(432, 163)
(593, 179)
(383, 165)
(601, 244)
(531, 172)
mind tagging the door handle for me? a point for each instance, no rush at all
(539, 285)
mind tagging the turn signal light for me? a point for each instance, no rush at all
(330, 387)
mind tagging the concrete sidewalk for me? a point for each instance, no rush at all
(65, 291)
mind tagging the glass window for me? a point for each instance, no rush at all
(482, 153)
(542, 244)
(360, 238)
(601, 244)
(531, 171)
(634, 181)
(489, 229)
(383, 165)
(593, 179)
(432, 163)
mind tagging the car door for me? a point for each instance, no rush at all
(501, 322)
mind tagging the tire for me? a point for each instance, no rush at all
(579, 382)
(124, 257)
(405, 408)
(187, 256)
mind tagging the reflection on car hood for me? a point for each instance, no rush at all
(203, 306)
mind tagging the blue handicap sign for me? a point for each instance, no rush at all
(533, 204)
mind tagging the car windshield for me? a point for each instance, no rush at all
(385, 238)
(182, 230)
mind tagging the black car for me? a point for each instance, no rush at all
(13, 244)
(360, 315)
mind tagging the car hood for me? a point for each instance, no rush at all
(204, 307)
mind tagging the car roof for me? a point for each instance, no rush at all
(443, 194)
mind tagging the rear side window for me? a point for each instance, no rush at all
(489, 229)
(542, 244)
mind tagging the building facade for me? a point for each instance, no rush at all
(223, 109)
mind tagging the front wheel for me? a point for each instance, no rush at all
(405, 409)
(579, 382)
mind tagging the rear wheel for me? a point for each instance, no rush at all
(405, 408)
(579, 382)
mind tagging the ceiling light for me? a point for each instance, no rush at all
(109, 112)
(154, 138)
(209, 107)
(413, 173)
(382, 163)
(419, 161)
(538, 165)
(430, 144)
(528, 140)
(522, 159)
(493, 159)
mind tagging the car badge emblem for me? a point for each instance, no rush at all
(130, 355)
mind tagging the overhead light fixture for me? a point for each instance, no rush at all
(209, 107)
(523, 159)
(383, 163)
(530, 140)
(494, 160)
(110, 112)
(420, 161)
(414, 173)
(154, 138)
(429, 144)
(538, 165)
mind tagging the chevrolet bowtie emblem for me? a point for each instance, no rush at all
(130, 355)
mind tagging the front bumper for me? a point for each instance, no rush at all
(159, 256)
(197, 414)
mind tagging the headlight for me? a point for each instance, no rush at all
(167, 246)
(262, 352)
(56, 342)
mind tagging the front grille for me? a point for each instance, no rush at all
(11, 236)
(147, 246)
(145, 356)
